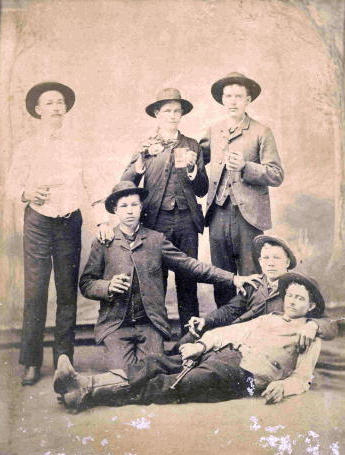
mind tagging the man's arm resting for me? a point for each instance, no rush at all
(175, 259)
(228, 313)
(269, 171)
(300, 379)
(327, 329)
(131, 172)
(92, 285)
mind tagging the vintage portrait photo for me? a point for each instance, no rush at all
(172, 227)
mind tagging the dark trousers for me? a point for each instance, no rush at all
(218, 377)
(179, 229)
(49, 241)
(231, 239)
(129, 344)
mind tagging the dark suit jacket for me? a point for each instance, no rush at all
(156, 177)
(255, 303)
(262, 169)
(147, 255)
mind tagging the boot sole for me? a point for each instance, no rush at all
(64, 376)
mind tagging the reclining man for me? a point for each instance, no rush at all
(275, 258)
(127, 277)
(258, 356)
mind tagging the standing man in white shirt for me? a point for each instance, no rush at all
(49, 175)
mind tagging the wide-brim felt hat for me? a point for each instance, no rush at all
(235, 78)
(260, 240)
(123, 188)
(166, 95)
(310, 284)
(36, 91)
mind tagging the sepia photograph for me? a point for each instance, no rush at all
(172, 234)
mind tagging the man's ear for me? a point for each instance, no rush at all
(259, 261)
(37, 109)
(288, 262)
(312, 305)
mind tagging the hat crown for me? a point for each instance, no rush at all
(236, 74)
(169, 94)
(124, 185)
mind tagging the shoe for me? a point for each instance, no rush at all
(64, 375)
(74, 388)
(31, 375)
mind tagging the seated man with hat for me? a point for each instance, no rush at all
(127, 278)
(173, 171)
(275, 258)
(244, 163)
(261, 356)
(50, 174)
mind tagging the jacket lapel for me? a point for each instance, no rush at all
(141, 235)
(119, 239)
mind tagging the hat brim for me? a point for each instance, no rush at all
(317, 297)
(111, 200)
(260, 240)
(36, 91)
(151, 108)
(217, 88)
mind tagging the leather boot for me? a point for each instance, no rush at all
(80, 391)
(109, 389)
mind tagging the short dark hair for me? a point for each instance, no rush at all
(315, 312)
(241, 85)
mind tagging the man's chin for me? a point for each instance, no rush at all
(131, 224)
(274, 277)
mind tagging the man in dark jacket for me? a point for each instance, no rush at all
(174, 174)
(127, 278)
(275, 258)
(244, 163)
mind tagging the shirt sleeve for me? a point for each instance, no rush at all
(327, 328)
(236, 334)
(96, 189)
(300, 380)
(18, 174)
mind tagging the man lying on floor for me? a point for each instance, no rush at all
(259, 356)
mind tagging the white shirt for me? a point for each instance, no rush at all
(269, 347)
(58, 163)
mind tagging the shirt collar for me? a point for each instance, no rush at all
(272, 287)
(240, 124)
(173, 138)
(127, 233)
(52, 135)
